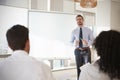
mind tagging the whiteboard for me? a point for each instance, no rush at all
(56, 26)
(50, 33)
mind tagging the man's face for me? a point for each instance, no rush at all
(79, 21)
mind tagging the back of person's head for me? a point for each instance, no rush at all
(17, 37)
(107, 45)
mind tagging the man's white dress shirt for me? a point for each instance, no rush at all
(20, 66)
(87, 35)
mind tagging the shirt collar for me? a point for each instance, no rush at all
(80, 27)
(22, 52)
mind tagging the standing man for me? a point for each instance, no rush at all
(20, 66)
(83, 38)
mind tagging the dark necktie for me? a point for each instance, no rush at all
(80, 38)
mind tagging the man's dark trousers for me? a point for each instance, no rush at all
(82, 57)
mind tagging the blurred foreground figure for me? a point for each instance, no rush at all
(107, 45)
(20, 66)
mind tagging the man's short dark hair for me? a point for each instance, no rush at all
(80, 16)
(17, 37)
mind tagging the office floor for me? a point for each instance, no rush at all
(65, 74)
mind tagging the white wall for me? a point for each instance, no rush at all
(115, 15)
(103, 13)
(108, 15)
(10, 16)
(103, 16)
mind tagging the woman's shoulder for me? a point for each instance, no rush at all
(91, 72)
(90, 67)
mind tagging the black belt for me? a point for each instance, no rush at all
(84, 48)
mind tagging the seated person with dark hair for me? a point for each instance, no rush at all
(20, 66)
(107, 67)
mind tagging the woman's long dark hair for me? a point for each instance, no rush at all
(107, 45)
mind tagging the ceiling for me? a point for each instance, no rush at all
(98, 0)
